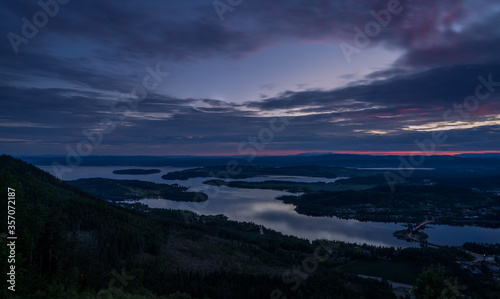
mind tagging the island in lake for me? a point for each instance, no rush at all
(111, 189)
(248, 171)
(137, 171)
(452, 197)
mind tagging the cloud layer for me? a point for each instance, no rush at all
(89, 56)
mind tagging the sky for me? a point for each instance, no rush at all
(237, 77)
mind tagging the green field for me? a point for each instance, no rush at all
(402, 272)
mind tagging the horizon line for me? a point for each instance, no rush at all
(299, 152)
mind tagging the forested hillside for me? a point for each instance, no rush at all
(73, 245)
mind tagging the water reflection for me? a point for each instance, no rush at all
(261, 207)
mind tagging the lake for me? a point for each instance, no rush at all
(261, 207)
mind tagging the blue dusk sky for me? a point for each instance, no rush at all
(219, 77)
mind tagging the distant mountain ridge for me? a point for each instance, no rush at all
(490, 162)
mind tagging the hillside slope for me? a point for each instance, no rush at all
(73, 245)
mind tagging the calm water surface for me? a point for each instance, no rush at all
(261, 207)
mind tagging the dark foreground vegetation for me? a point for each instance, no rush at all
(74, 245)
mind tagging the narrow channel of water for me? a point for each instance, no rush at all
(261, 207)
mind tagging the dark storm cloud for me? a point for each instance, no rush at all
(436, 87)
(370, 115)
(127, 32)
(136, 30)
(451, 32)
